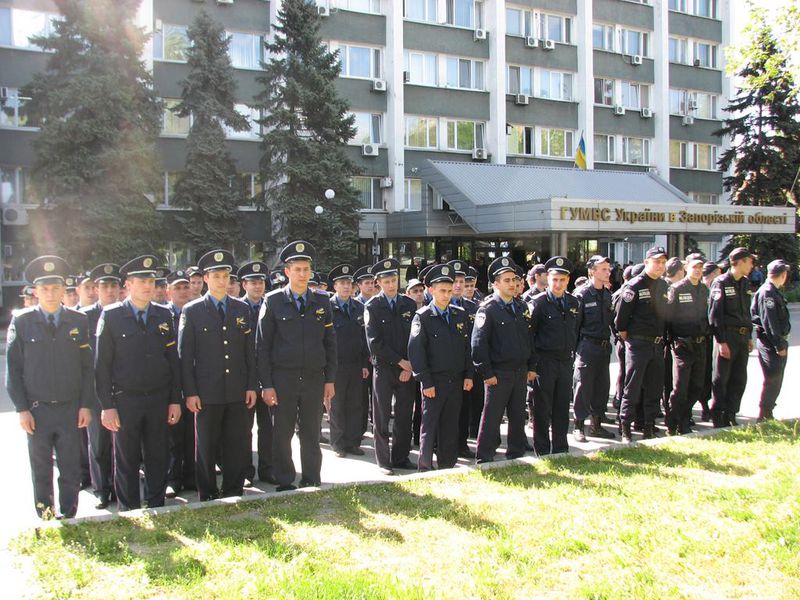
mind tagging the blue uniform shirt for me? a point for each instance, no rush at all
(56, 315)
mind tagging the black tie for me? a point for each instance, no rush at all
(256, 309)
(561, 304)
(140, 320)
(510, 307)
(346, 309)
(221, 311)
(391, 306)
(51, 324)
(302, 302)
(446, 316)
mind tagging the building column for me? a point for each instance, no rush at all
(681, 246)
(554, 244)
(495, 19)
(584, 80)
(562, 243)
(395, 102)
(660, 95)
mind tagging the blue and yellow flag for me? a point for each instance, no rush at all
(580, 154)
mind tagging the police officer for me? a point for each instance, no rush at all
(537, 282)
(771, 320)
(554, 325)
(593, 355)
(365, 282)
(49, 379)
(160, 294)
(297, 366)
(219, 378)
(438, 349)
(277, 279)
(673, 273)
(106, 278)
(470, 290)
(234, 289)
(353, 360)
(640, 321)
(729, 317)
(687, 325)
(196, 282)
(71, 292)
(501, 353)
(87, 291)
(388, 324)
(137, 378)
(711, 271)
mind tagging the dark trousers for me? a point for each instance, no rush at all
(101, 451)
(440, 420)
(730, 376)
(299, 397)
(507, 395)
(221, 427)
(688, 376)
(772, 366)
(705, 396)
(366, 402)
(345, 417)
(86, 467)
(476, 397)
(552, 395)
(620, 387)
(181, 452)
(56, 430)
(591, 380)
(143, 438)
(262, 415)
(387, 385)
(668, 385)
(416, 420)
(644, 380)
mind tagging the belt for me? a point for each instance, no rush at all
(659, 339)
(740, 330)
(700, 339)
(596, 341)
(143, 393)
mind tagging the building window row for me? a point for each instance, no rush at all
(622, 149)
(365, 6)
(170, 43)
(359, 62)
(248, 186)
(433, 133)
(540, 82)
(12, 109)
(458, 13)
(691, 155)
(699, 8)
(622, 40)
(370, 194)
(704, 198)
(173, 124)
(527, 140)
(544, 26)
(702, 105)
(633, 95)
(369, 128)
(424, 68)
(18, 26)
(689, 51)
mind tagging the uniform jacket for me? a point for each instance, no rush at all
(642, 309)
(351, 339)
(501, 340)
(387, 332)
(729, 305)
(688, 309)
(436, 347)
(596, 313)
(771, 317)
(470, 307)
(93, 313)
(555, 331)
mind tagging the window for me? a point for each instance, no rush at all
(705, 8)
(678, 154)
(366, 6)
(679, 5)
(464, 135)
(359, 61)
(252, 115)
(520, 80)
(173, 124)
(705, 55)
(604, 148)
(677, 102)
(519, 140)
(689, 155)
(464, 73)
(557, 143)
(249, 187)
(166, 195)
(5, 27)
(702, 198)
(368, 128)
(604, 91)
(515, 21)
(245, 50)
(678, 50)
(421, 132)
(464, 13)
(555, 85)
(18, 26)
(555, 28)
(369, 192)
(421, 10)
(706, 157)
(412, 194)
(634, 42)
(12, 110)
(170, 43)
(635, 151)
(603, 37)
(698, 104)
(423, 68)
(10, 185)
(635, 95)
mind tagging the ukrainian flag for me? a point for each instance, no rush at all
(580, 154)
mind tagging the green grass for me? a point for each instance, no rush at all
(715, 517)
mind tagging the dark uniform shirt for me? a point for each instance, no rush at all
(439, 345)
(729, 306)
(288, 340)
(771, 317)
(688, 309)
(501, 338)
(596, 314)
(643, 307)
(554, 324)
(470, 307)
(387, 330)
(93, 313)
(351, 341)
(131, 361)
(46, 368)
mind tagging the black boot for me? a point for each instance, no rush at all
(649, 431)
(577, 431)
(597, 430)
(730, 418)
(718, 419)
(625, 430)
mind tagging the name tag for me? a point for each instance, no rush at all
(729, 291)
(590, 304)
(644, 294)
(685, 298)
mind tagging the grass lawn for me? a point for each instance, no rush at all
(714, 517)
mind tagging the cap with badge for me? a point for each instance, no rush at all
(179, 276)
(315, 278)
(537, 269)
(105, 273)
(215, 260)
(71, 282)
(362, 273)
(709, 267)
(412, 283)
(439, 274)
(693, 259)
(27, 292)
(277, 278)
(558, 264)
(253, 270)
(459, 267)
(519, 271)
(472, 274)
(740, 254)
(596, 260)
(656, 252)
(47, 269)
(193, 270)
(499, 266)
(343, 271)
(141, 266)
(386, 268)
(234, 272)
(674, 265)
(778, 266)
(161, 276)
(297, 250)
(424, 270)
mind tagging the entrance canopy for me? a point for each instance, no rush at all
(504, 199)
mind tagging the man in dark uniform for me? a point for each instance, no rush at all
(160, 294)
(365, 282)
(438, 349)
(353, 360)
(640, 321)
(502, 355)
(554, 325)
(297, 366)
(253, 276)
(687, 326)
(711, 271)
(49, 379)
(674, 273)
(195, 276)
(388, 324)
(277, 279)
(470, 291)
(106, 277)
(729, 317)
(218, 363)
(137, 378)
(87, 291)
(771, 320)
(537, 282)
(593, 355)
(71, 298)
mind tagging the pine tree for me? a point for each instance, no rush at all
(95, 155)
(209, 97)
(306, 126)
(764, 128)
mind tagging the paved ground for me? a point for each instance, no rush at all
(16, 505)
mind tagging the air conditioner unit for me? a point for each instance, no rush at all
(378, 85)
(531, 42)
(636, 59)
(480, 34)
(521, 100)
(549, 45)
(369, 150)
(406, 77)
(647, 113)
(619, 109)
(696, 62)
(386, 182)
(323, 11)
(15, 215)
(224, 1)
(692, 105)
(687, 120)
(480, 154)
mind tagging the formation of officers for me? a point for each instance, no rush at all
(168, 381)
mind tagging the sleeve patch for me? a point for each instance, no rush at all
(628, 295)
(770, 303)
(716, 294)
(480, 319)
(416, 327)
